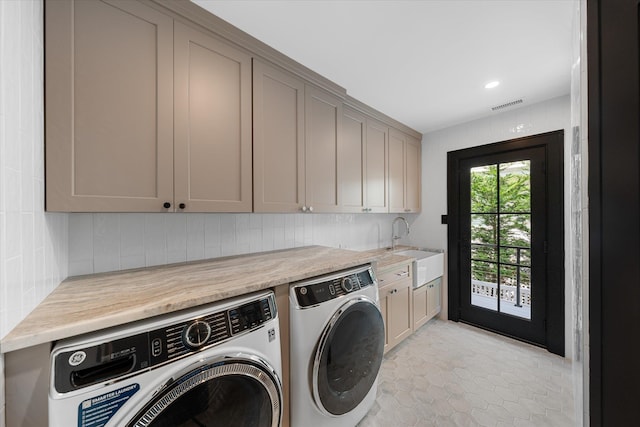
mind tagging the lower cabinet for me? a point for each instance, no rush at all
(426, 302)
(396, 303)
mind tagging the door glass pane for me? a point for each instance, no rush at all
(501, 237)
(484, 279)
(515, 187)
(515, 230)
(484, 228)
(484, 196)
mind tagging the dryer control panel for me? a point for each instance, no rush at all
(76, 367)
(316, 291)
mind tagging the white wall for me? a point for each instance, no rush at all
(33, 245)
(546, 116)
(109, 241)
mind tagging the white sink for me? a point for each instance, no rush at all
(426, 267)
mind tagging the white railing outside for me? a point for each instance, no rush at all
(507, 292)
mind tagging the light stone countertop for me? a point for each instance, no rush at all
(89, 303)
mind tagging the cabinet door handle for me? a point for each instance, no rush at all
(166, 205)
(182, 206)
(310, 208)
(402, 274)
(304, 209)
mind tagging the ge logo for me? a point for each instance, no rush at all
(77, 358)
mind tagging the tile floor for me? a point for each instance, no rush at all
(451, 374)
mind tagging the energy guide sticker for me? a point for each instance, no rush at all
(97, 411)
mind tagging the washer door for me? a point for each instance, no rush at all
(234, 392)
(348, 356)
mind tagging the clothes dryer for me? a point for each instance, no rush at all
(336, 348)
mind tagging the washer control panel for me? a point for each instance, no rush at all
(316, 291)
(79, 367)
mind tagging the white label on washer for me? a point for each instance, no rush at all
(97, 411)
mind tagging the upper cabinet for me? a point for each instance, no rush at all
(212, 145)
(323, 125)
(351, 161)
(404, 172)
(376, 167)
(156, 106)
(114, 106)
(363, 163)
(278, 140)
(296, 131)
(109, 107)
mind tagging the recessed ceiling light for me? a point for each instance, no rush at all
(491, 85)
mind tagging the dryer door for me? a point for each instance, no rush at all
(348, 356)
(234, 392)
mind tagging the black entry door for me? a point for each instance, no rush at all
(507, 215)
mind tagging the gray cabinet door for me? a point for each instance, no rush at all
(351, 159)
(323, 124)
(212, 145)
(278, 140)
(376, 166)
(109, 107)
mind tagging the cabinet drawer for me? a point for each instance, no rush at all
(394, 274)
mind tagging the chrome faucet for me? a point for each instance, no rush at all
(393, 236)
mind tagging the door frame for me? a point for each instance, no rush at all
(553, 144)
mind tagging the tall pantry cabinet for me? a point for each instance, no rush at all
(111, 98)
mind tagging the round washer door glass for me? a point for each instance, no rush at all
(229, 394)
(349, 356)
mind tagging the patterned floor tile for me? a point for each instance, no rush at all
(450, 374)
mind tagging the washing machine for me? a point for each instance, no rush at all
(336, 348)
(216, 365)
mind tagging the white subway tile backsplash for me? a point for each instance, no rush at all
(155, 246)
(255, 221)
(132, 261)
(106, 239)
(178, 237)
(228, 234)
(195, 236)
(242, 221)
(211, 231)
(268, 239)
(131, 235)
(176, 229)
(103, 264)
(212, 252)
(255, 240)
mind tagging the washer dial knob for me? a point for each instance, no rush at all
(347, 284)
(196, 334)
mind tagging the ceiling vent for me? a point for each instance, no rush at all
(507, 105)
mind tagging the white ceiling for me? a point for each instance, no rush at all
(422, 62)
